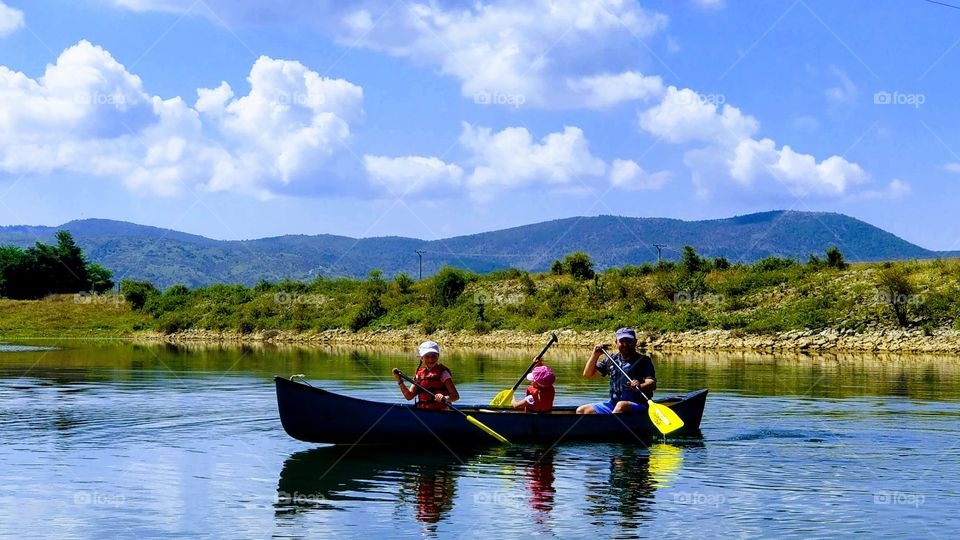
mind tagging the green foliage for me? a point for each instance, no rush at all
(896, 291)
(771, 264)
(578, 265)
(44, 269)
(771, 296)
(529, 287)
(136, 293)
(556, 268)
(404, 282)
(690, 261)
(835, 258)
(721, 263)
(447, 286)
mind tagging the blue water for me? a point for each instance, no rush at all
(133, 441)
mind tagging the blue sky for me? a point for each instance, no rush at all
(242, 119)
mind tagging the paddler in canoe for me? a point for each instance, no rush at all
(432, 376)
(626, 394)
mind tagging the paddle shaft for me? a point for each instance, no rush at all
(553, 339)
(469, 418)
(629, 378)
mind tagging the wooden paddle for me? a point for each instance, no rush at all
(504, 398)
(662, 416)
(469, 418)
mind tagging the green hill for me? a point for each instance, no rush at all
(167, 257)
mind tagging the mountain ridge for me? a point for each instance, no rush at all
(167, 257)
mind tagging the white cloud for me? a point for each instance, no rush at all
(510, 158)
(845, 93)
(952, 167)
(896, 189)
(527, 51)
(685, 116)
(412, 174)
(728, 135)
(626, 174)
(606, 90)
(88, 114)
(11, 20)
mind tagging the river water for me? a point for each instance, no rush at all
(109, 439)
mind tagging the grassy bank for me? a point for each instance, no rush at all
(771, 296)
(71, 315)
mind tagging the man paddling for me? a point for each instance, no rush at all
(625, 393)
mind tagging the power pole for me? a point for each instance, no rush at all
(420, 253)
(659, 252)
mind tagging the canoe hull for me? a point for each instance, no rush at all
(315, 415)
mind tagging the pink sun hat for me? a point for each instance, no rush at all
(542, 375)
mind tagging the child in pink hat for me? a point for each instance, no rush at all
(540, 393)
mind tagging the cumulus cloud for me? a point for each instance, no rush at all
(88, 114)
(511, 158)
(500, 161)
(626, 174)
(412, 174)
(543, 53)
(606, 90)
(727, 142)
(11, 20)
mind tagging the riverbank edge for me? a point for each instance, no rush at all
(900, 340)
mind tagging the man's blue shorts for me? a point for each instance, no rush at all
(606, 407)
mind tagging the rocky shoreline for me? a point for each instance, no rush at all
(893, 340)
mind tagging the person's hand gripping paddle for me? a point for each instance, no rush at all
(504, 398)
(662, 416)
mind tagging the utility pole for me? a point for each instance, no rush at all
(659, 252)
(420, 253)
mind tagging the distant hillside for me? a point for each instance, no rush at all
(168, 257)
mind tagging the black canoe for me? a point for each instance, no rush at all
(314, 415)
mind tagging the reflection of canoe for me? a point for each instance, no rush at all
(314, 415)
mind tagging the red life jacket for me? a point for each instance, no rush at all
(430, 379)
(542, 398)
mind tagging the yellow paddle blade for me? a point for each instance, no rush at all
(489, 431)
(502, 399)
(663, 417)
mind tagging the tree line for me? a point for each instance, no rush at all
(45, 269)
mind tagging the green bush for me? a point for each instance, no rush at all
(136, 293)
(578, 265)
(448, 285)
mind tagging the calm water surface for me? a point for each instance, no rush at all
(104, 439)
